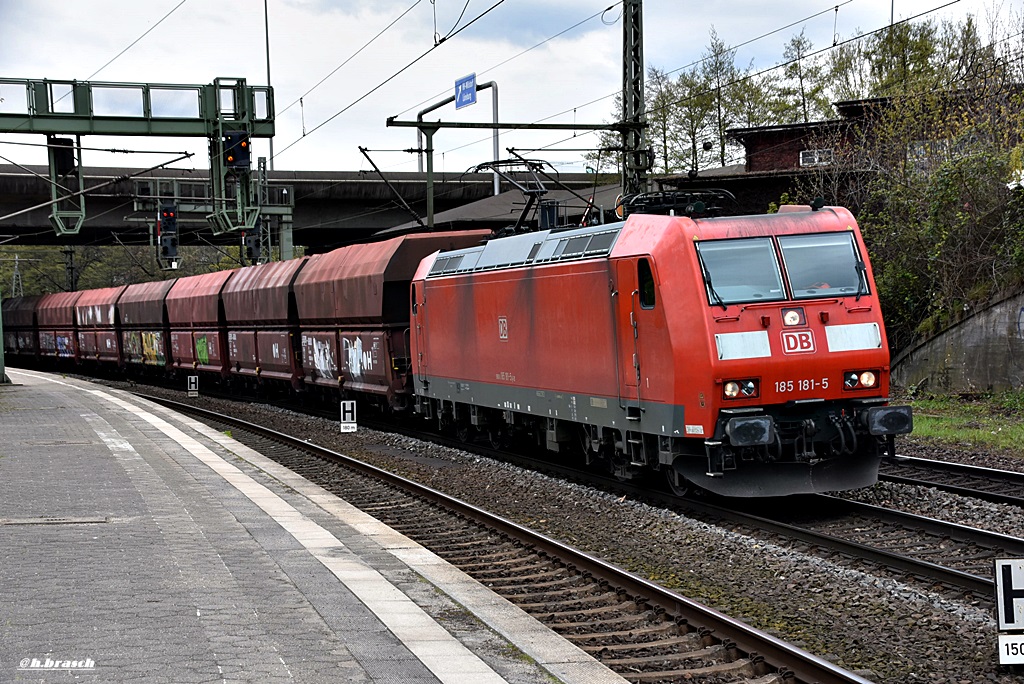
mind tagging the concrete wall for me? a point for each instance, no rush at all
(984, 352)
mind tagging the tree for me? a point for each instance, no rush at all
(757, 99)
(608, 157)
(718, 70)
(804, 89)
(695, 118)
(848, 74)
(663, 133)
(902, 59)
(939, 216)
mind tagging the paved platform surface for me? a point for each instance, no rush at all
(141, 546)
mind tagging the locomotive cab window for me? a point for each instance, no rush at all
(645, 283)
(823, 265)
(740, 271)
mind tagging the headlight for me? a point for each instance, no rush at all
(793, 317)
(740, 389)
(858, 379)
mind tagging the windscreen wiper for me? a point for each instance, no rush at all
(862, 276)
(716, 298)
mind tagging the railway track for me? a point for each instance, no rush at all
(959, 558)
(643, 631)
(987, 484)
(933, 553)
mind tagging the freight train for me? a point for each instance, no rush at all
(741, 355)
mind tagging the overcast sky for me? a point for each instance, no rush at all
(572, 77)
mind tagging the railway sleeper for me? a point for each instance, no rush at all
(494, 582)
(574, 627)
(681, 647)
(575, 602)
(481, 540)
(511, 570)
(488, 553)
(717, 659)
(556, 594)
(560, 581)
(738, 669)
(621, 608)
(482, 565)
(665, 627)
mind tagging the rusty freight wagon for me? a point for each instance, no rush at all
(21, 337)
(99, 326)
(196, 319)
(55, 315)
(353, 307)
(144, 329)
(259, 310)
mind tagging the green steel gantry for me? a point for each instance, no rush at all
(224, 112)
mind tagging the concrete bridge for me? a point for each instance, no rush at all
(331, 208)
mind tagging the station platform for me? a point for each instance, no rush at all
(139, 545)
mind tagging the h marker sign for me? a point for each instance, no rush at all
(1010, 610)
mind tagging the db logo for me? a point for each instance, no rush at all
(798, 342)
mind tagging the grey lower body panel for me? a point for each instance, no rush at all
(602, 411)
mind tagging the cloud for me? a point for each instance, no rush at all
(202, 40)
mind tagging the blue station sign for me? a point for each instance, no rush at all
(465, 91)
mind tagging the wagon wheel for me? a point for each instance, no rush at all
(464, 432)
(497, 438)
(680, 486)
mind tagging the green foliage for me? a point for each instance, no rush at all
(925, 169)
(993, 421)
(805, 89)
(943, 228)
(784, 198)
(43, 269)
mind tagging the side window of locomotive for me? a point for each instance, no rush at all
(823, 265)
(740, 271)
(645, 281)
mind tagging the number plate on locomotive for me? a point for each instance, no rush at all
(807, 385)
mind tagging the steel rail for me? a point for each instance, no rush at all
(805, 667)
(1006, 478)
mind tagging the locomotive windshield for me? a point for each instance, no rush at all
(744, 270)
(747, 270)
(824, 265)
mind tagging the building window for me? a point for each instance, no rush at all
(816, 157)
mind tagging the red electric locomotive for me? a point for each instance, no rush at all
(744, 355)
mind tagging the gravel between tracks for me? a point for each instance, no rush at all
(883, 629)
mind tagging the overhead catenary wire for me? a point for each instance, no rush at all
(350, 58)
(766, 70)
(389, 78)
(515, 56)
(612, 94)
(132, 44)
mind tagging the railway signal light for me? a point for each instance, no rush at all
(168, 219)
(169, 246)
(237, 150)
(168, 231)
(251, 242)
(63, 150)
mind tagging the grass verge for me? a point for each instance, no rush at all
(989, 421)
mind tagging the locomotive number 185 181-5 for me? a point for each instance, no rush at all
(801, 385)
